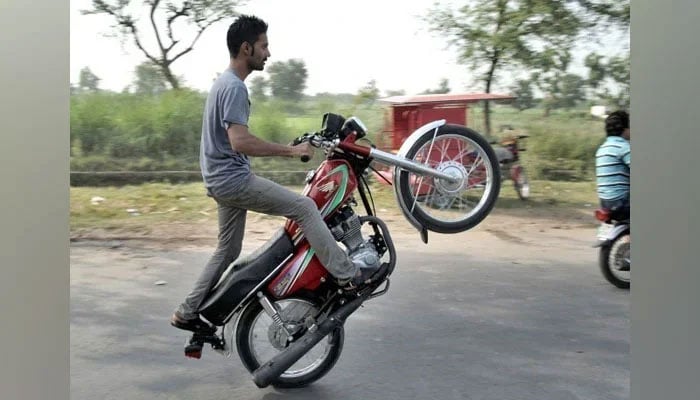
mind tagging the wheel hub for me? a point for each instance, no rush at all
(455, 170)
(277, 336)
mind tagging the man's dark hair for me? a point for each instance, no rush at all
(246, 28)
(617, 122)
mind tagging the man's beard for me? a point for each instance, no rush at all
(256, 66)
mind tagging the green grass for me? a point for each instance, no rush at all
(156, 203)
(545, 194)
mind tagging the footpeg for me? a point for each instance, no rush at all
(194, 347)
(193, 350)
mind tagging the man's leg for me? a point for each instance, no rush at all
(267, 197)
(231, 230)
(625, 209)
(619, 208)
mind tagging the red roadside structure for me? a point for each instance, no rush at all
(408, 113)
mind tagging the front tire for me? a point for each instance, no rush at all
(451, 207)
(251, 341)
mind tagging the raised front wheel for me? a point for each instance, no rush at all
(450, 206)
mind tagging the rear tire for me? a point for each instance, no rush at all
(246, 350)
(621, 247)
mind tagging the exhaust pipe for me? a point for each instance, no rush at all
(281, 362)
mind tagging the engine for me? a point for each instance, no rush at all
(346, 228)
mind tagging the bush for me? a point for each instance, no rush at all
(129, 125)
(269, 122)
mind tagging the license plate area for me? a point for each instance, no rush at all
(604, 230)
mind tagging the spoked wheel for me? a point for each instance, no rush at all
(259, 339)
(443, 206)
(520, 182)
(615, 262)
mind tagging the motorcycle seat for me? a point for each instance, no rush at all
(243, 275)
(606, 216)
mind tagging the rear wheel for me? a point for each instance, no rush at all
(615, 262)
(443, 206)
(259, 339)
(520, 182)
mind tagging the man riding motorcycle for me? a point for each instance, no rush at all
(613, 166)
(226, 145)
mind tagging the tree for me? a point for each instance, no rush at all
(493, 35)
(619, 72)
(149, 79)
(608, 12)
(524, 96)
(88, 81)
(368, 93)
(597, 70)
(288, 79)
(399, 92)
(615, 70)
(258, 88)
(164, 18)
(571, 91)
(561, 88)
(442, 89)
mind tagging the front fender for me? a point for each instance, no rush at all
(413, 138)
(403, 150)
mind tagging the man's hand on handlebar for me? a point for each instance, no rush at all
(304, 150)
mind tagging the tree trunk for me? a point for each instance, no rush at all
(487, 103)
(172, 80)
(487, 118)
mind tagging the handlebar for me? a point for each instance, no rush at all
(334, 144)
(301, 139)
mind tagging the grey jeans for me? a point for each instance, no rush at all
(266, 197)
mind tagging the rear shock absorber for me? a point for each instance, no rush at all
(272, 312)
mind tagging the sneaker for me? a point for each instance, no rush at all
(366, 258)
(360, 278)
(195, 325)
(366, 261)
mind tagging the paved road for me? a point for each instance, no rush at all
(481, 315)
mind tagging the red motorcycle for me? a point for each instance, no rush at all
(280, 306)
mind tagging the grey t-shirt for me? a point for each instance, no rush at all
(223, 168)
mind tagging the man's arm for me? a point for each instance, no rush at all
(243, 141)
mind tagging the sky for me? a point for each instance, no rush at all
(344, 45)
